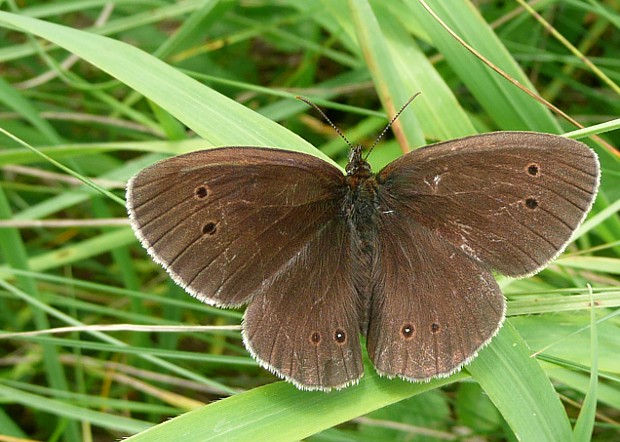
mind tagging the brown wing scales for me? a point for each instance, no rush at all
(432, 306)
(509, 199)
(311, 340)
(226, 210)
(263, 226)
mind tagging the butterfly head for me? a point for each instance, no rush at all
(357, 164)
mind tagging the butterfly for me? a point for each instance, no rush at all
(404, 257)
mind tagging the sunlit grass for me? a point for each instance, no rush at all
(158, 79)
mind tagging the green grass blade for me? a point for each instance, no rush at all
(400, 69)
(520, 389)
(385, 75)
(585, 422)
(15, 253)
(510, 108)
(216, 118)
(280, 412)
(60, 408)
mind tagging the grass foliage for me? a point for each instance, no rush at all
(93, 91)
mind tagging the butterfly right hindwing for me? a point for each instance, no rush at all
(432, 306)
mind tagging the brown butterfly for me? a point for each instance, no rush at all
(403, 257)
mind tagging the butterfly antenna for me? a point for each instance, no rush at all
(338, 131)
(404, 106)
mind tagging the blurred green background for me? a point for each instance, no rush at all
(108, 87)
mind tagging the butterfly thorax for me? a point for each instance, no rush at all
(360, 203)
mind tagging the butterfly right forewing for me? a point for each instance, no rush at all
(509, 199)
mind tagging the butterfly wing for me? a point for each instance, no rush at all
(432, 306)
(238, 225)
(222, 222)
(509, 199)
(448, 214)
(307, 327)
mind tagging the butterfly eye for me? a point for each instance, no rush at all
(533, 169)
(407, 331)
(315, 338)
(201, 192)
(435, 327)
(209, 229)
(531, 203)
(340, 336)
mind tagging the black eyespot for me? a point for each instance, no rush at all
(209, 229)
(340, 336)
(531, 203)
(315, 338)
(407, 330)
(533, 169)
(435, 327)
(201, 192)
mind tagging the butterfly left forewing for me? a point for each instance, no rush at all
(432, 307)
(224, 221)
